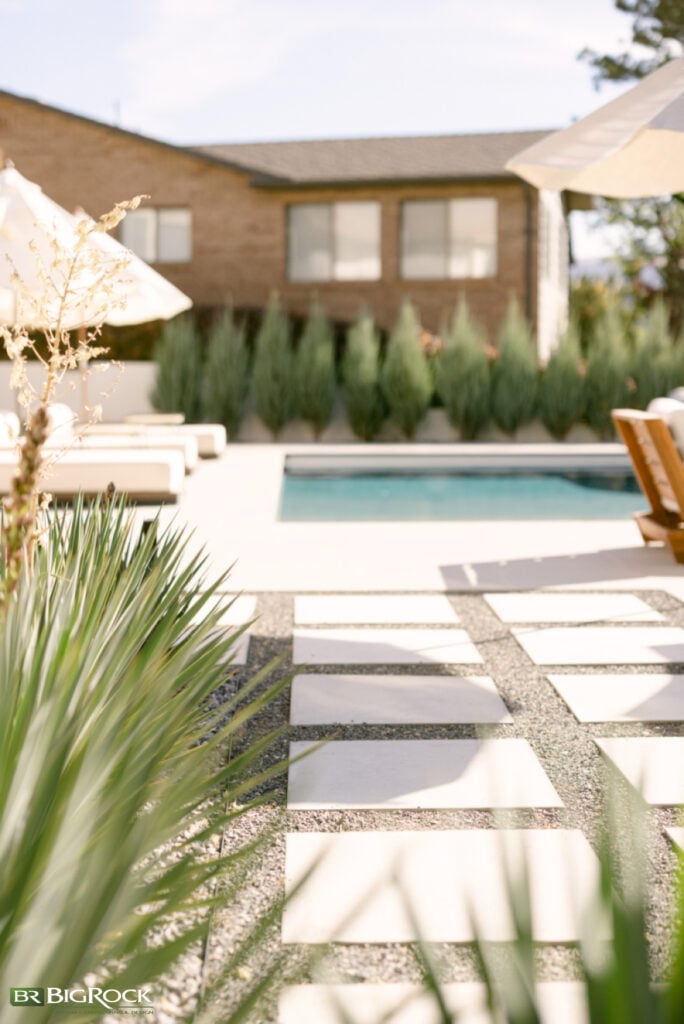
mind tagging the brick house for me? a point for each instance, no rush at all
(359, 223)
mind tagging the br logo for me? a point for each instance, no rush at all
(27, 997)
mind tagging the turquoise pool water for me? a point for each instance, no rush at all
(406, 497)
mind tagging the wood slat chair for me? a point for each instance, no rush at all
(660, 471)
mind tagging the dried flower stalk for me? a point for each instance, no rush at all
(83, 281)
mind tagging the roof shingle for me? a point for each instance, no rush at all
(336, 161)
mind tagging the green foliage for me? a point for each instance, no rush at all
(361, 379)
(462, 375)
(178, 384)
(615, 970)
(606, 374)
(273, 370)
(589, 299)
(405, 377)
(226, 380)
(561, 398)
(651, 363)
(314, 371)
(114, 784)
(514, 374)
(654, 228)
(658, 27)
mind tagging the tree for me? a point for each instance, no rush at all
(226, 374)
(606, 381)
(462, 375)
(514, 374)
(273, 369)
(178, 384)
(658, 27)
(405, 377)
(654, 227)
(361, 379)
(561, 398)
(314, 371)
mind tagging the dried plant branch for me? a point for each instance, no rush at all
(79, 281)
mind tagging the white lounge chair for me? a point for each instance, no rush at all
(149, 475)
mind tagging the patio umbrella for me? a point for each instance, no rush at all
(630, 148)
(110, 284)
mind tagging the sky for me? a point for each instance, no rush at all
(209, 71)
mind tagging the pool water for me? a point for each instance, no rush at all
(406, 497)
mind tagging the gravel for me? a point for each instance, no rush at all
(564, 747)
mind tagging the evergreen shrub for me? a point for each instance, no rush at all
(561, 396)
(514, 374)
(607, 373)
(652, 365)
(273, 371)
(314, 371)
(462, 375)
(226, 379)
(178, 384)
(405, 377)
(361, 379)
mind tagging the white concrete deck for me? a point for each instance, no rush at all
(232, 504)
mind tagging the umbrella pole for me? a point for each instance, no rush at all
(84, 376)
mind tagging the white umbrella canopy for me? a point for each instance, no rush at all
(633, 147)
(43, 257)
(148, 295)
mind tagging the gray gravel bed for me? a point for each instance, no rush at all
(565, 748)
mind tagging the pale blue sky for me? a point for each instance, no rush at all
(229, 70)
(195, 71)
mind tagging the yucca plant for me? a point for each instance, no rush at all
(226, 380)
(178, 383)
(361, 379)
(613, 952)
(113, 776)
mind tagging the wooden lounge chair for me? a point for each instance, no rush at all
(660, 472)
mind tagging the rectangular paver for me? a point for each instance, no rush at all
(359, 883)
(653, 764)
(384, 646)
(418, 773)
(560, 1002)
(374, 610)
(623, 698)
(602, 645)
(676, 834)
(345, 699)
(576, 607)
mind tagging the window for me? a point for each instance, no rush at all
(334, 242)
(448, 238)
(162, 235)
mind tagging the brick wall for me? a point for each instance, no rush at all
(239, 242)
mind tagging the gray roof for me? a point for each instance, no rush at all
(348, 161)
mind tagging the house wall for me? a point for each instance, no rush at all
(239, 231)
(487, 297)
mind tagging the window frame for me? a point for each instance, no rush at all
(159, 258)
(447, 201)
(333, 242)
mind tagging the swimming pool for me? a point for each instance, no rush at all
(355, 491)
